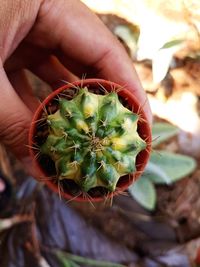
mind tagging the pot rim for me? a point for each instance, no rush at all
(143, 130)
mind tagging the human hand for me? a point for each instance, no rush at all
(56, 40)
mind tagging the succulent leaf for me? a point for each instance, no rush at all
(143, 191)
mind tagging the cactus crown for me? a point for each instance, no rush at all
(93, 140)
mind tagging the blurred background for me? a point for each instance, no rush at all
(157, 221)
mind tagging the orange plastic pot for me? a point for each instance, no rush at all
(130, 101)
(197, 259)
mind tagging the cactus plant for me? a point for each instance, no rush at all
(92, 139)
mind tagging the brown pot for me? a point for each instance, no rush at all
(44, 166)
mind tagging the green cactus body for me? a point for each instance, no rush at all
(93, 140)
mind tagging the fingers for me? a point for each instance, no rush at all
(20, 82)
(53, 72)
(41, 62)
(86, 45)
(15, 119)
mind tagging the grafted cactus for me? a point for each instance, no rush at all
(93, 140)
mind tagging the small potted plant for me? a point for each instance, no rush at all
(90, 140)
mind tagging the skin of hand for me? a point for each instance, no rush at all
(56, 40)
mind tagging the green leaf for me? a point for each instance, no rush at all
(65, 261)
(172, 43)
(156, 174)
(143, 191)
(175, 166)
(73, 264)
(74, 260)
(162, 131)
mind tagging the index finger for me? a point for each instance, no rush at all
(84, 45)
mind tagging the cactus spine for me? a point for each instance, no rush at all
(93, 140)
